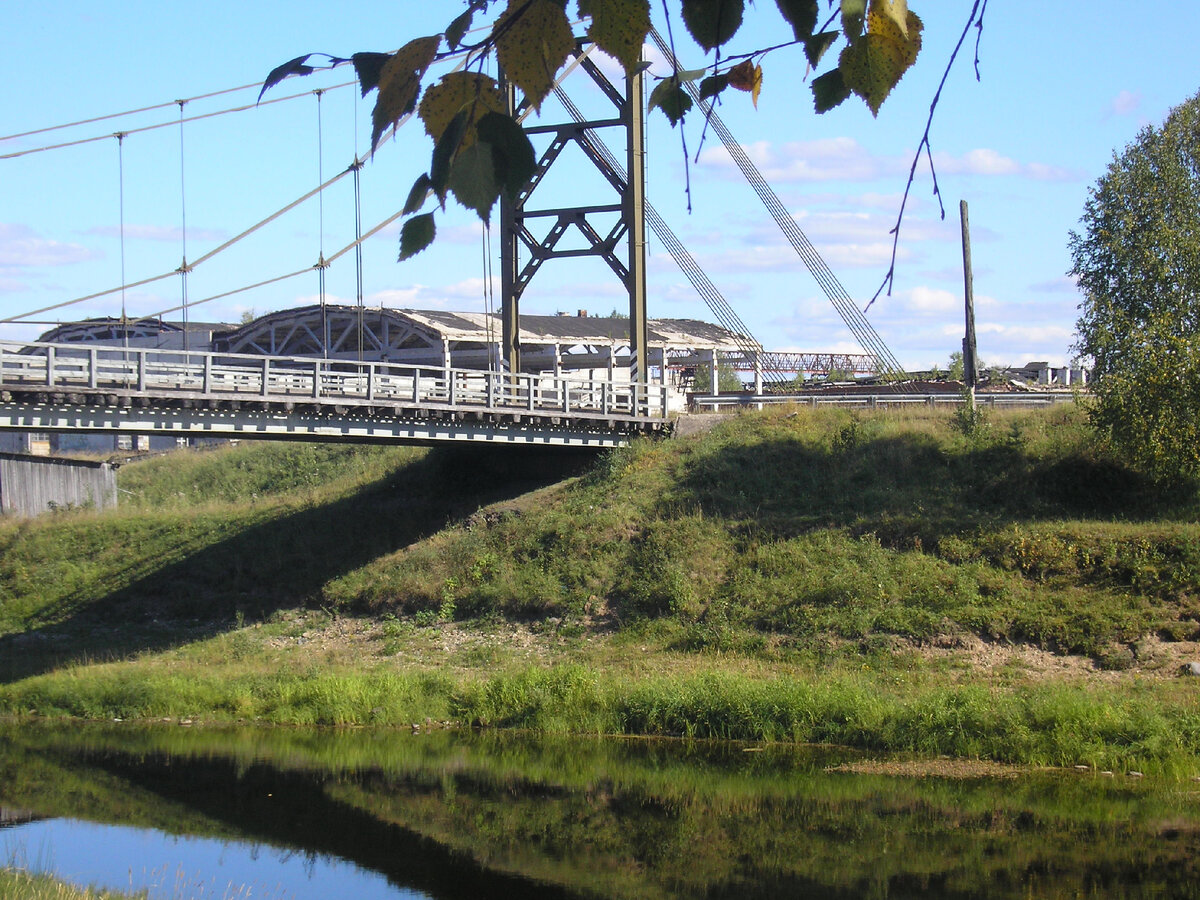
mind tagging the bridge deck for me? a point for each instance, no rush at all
(53, 387)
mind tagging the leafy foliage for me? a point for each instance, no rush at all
(532, 40)
(1137, 260)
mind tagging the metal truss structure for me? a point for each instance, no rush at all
(517, 217)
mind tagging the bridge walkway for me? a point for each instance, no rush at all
(66, 387)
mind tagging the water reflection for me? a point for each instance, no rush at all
(452, 814)
(169, 866)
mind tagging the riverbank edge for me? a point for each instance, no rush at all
(1138, 726)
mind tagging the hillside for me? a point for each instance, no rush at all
(799, 574)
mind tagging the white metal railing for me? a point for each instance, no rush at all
(898, 398)
(227, 376)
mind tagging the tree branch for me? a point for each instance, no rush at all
(889, 277)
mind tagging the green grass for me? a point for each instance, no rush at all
(797, 559)
(19, 885)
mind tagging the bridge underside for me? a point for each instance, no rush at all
(274, 421)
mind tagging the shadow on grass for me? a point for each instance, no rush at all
(285, 561)
(786, 488)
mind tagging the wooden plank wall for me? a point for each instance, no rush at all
(31, 485)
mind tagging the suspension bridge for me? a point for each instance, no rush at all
(337, 372)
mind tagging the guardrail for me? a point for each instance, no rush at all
(883, 400)
(104, 369)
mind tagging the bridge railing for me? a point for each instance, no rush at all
(152, 373)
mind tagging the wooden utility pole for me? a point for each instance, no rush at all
(970, 363)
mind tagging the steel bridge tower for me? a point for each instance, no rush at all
(518, 217)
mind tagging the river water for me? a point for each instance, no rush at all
(189, 813)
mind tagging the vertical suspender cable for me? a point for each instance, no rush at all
(321, 231)
(358, 251)
(183, 215)
(489, 303)
(120, 136)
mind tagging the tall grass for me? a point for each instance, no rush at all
(19, 885)
(311, 696)
(1039, 725)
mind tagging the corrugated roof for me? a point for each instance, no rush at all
(672, 333)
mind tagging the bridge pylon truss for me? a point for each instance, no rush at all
(521, 221)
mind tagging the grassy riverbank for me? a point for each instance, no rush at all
(882, 580)
(19, 885)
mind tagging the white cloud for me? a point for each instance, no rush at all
(932, 300)
(844, 159)
(1033, 334)
(859, 256)
(20, 246)
(1125, 103)
(830, 159)
(976, 162)
(990, 163)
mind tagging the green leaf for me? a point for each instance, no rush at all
(815, 46)
(713, 22)
(512, 152)
(400, 83)
(829, 90)
(669, 96)
(619, 28)
(473, 179)
(802, 15)
(447, 147)
(713, 85)
(854, 13)
(533, 39)
(458, 28)
(417, 234)
(460, 92)
(368, 67)
(416, 196)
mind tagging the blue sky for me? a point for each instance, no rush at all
(1063, 86)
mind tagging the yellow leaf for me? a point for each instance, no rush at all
(875, 62)
(533, 39)
(458, 91)
(896, 10)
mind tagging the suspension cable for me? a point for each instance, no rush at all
(360, 238)
(849, 312)
(128, 112)
(170, 124)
